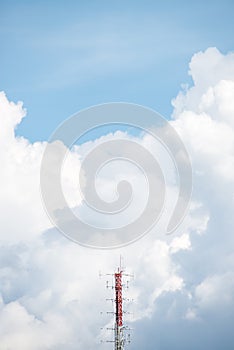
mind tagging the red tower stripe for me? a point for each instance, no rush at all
(118, 299)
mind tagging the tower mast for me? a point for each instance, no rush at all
(119, 337)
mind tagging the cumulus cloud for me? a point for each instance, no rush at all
(51, 296)
(199, 316)
(47, 282)
(22, 214)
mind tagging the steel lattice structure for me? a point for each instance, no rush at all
(119, 336)
(120, 329)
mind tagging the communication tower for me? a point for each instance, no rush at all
(121, 330)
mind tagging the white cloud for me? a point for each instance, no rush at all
(22, 214)
(207, 69)
(48, 282)
(216, 291)
(182, 242)
(203, 116)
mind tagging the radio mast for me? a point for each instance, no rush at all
(119, 336)
(120, 328)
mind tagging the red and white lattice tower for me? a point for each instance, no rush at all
(119, 336)
(120, 329)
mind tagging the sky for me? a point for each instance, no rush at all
(59, 57)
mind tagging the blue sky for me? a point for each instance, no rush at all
(59, 57)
